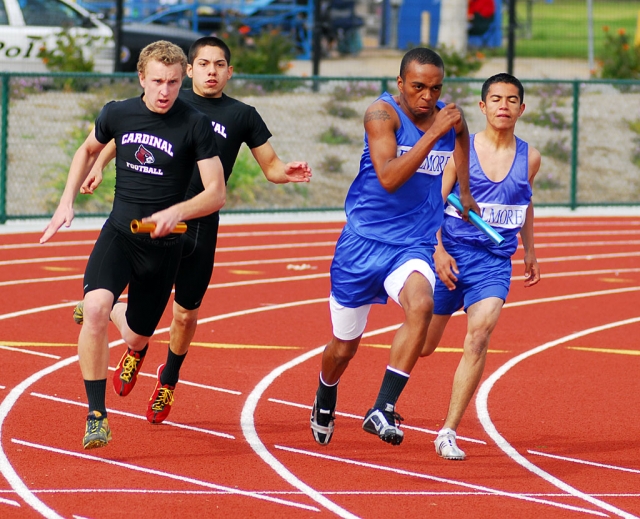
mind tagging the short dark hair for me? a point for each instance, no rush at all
(209, 41)
(503, 77)
(423, 56)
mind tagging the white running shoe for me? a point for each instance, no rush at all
(446, 446)
(322, 423)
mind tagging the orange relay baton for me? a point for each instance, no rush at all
(143, 227)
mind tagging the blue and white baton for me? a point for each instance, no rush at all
(476, 220)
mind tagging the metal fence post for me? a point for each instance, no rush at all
(574, 146)
(4, 136)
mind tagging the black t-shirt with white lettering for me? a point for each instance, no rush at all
(233, 123)
(155, 155)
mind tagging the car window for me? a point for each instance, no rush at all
(3, 15)
(50, 14)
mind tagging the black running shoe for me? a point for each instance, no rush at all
(385, 424)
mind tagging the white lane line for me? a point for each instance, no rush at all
(485, 418)
(588, 257)
(570, 245)
(527, 302)
(272, 261)
(298, 493)
(136, 416)
(31, 311)
(71, 243)
(251, 435)
(360, 418)
(192, 384)
(630, 254)
(269, 280)
(586, 223)
(598, 272)
(10, 502)
(29, 352)
(49, 245)
(577, 273)
(54, 259)
(607, 232)
(169, 475)
(6, 469)
(420, 475)
(248, 411)
(57, 259)
(40, 280)
(335, 230)
(584, 462)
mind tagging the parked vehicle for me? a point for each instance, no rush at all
(25, 25)
(136, 36)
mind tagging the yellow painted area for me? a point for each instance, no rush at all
(59, 269)
(246, 272)
(615, 280)
(38, 344)
(636, 41)
(220, 346)
(605, 350)
(439, 349)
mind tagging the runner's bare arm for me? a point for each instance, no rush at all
(94, 179)
(277, 171)
(82, 162)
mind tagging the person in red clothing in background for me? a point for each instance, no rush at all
(480, 15)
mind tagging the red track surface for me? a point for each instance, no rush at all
(553, 431)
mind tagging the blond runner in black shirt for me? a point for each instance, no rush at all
(158, 142)
(233, 123)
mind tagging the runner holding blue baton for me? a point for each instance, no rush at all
(477, 220)
(473, 262)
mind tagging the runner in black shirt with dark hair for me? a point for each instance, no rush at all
(233, 123)
(159, 140)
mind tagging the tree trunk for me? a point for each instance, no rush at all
(453, 25)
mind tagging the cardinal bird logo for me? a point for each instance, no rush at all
(144, 156)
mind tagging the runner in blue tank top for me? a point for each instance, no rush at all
(474, 273)
(394, 209)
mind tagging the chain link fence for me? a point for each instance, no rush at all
(587, 131)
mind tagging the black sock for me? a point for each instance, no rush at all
(171, 372)
(392, 385)
(96, 390)
(326, 396)
(143, 351)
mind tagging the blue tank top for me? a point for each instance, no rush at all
(413, 213)
(503, 204)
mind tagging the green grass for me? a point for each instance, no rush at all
(560, 30)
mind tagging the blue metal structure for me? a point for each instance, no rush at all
(290, 16)
(410, 20)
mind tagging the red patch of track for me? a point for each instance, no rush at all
(568, 410)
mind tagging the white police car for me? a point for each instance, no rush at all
(26, 24)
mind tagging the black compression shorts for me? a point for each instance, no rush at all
(147, 266)
(196, 266)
